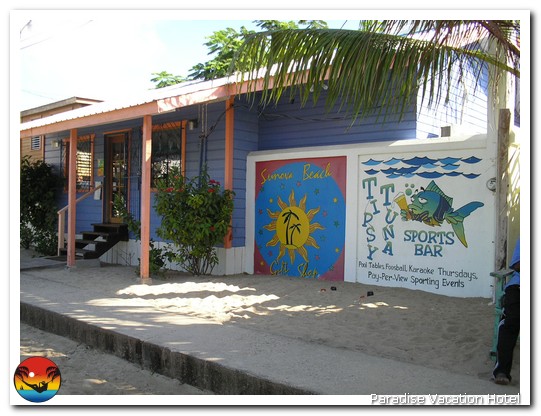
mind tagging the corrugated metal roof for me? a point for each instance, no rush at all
(59, 104)
(167, 93)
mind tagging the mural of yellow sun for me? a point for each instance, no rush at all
(293, 227)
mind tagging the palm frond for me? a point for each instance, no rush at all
(379, 67)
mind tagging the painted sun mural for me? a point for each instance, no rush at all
(293, 228)
(300, 218)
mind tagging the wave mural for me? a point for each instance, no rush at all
(424, 167)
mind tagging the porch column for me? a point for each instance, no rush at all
(72, 197)
(145, 197)
(183, 148)
(229, 150)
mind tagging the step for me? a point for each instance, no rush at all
(92, 235)
(119, 228)
(81, 253)
(110, 234)
(110, 225)
(90, 241)
(98, 245)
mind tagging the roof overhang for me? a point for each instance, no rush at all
(59, 104)
(153, 103)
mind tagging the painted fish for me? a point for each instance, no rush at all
(432, 206)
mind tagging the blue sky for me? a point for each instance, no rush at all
(111, 54)
(105, 54)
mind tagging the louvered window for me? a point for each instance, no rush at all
(35, 143)
(166, 150)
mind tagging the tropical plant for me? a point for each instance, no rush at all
(165, 79)
(380, 66)
(39, 186)
(222, 46)
(196, 216)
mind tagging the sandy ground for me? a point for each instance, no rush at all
(435, 331)
(90, 372)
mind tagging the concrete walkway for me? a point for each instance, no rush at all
(222, 358)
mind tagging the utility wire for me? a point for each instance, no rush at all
(52, 35)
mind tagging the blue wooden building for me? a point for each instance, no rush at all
(121, 147)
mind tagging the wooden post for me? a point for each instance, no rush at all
(229, 158)
(72, 197)
(502, 188)
(61, 230)
(183, 148)
(145, 198)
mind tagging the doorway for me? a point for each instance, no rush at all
(117, 180)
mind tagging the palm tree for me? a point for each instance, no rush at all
(287, 219)
(53, 372)
(22, 372)
(295, 227)
(381, 66)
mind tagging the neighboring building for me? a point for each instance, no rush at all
(359, 192)
(33, 146)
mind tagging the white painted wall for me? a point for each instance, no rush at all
(453, 268)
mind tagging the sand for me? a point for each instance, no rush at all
(435, 331)
(432, 330)
(88, 371)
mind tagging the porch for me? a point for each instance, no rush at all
(132, 178)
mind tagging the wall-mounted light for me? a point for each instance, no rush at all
(55, 144)
(324, 86)
(445, 131)
(192, 124)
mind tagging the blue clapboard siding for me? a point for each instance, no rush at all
(288, 125)
(88, 211)
(466, 106)
(245, 141)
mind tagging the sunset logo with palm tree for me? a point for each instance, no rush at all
(37, 379)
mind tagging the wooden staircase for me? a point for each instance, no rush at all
(94, 244)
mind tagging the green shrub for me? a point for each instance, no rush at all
(196, 216)
(39, 219)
